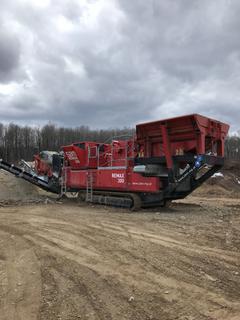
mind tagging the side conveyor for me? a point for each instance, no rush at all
(32, 178)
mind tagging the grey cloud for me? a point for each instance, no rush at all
(121, 62)
(9, 55)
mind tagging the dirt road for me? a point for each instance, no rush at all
(71, 261)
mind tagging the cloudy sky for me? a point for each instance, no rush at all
(107, 63)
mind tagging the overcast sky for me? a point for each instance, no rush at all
(107, 63)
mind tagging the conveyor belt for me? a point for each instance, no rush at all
(32, 178)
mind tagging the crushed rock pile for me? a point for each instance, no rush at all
(226, 183)
(14, 189)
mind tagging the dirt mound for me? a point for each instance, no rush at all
(224, 183)
(232, 166)
(16, 189)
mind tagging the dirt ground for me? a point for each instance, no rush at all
(74, 261)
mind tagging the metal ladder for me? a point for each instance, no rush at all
(64, 181)
(89, 187)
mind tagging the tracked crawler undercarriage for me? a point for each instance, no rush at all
(166, 160)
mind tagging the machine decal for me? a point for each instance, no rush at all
(120, 177)
(142, 183)
(72, 155)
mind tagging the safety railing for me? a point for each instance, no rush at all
(112, 160)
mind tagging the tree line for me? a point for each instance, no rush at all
(232, 148)
(22, 142)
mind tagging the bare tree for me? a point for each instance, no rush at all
(18, 142)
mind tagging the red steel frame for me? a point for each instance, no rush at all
(112, 165)
(193, 133)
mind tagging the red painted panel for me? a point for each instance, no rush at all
(81, 155)
(187, 134)
(115, 179)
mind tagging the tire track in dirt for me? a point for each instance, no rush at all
(97, 265)
(20, 279)
(57, 242)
